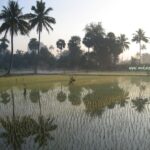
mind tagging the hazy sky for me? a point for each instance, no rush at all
(118, 16)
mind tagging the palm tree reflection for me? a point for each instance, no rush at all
(16, 129)
(43, 126)
(75, 95)
(61, 96)
(5, 96)
(140, 102)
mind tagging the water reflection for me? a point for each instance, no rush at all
(42, 130)
(105, 95)
(15, 129)
(140, 102)
(75, 95)
(25, 92)
(95, 116)
(43, 125)
(61, 96)
(5, 97)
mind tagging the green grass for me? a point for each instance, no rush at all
(35, 81)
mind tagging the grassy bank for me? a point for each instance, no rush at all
(35, 81)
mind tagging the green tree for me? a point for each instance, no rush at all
(13, 21)
(46, 58)
(140, 37)
(95, 30)
(96, 35)
(106, 47)
(33, 47)
(3, 45)
(74, 51)
(88, 42)
(41, 19)
(61, 44)
(124, 43)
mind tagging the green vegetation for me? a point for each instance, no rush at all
(104, 95)
(138, 37)
(103, 52)
(17, 128)
(44, 81)
(41, 19)
(13, 21)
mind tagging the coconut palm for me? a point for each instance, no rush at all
(138, 37)
(123, 41)
(15, 22)
(41, 19)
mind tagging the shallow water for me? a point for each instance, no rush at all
(109, 116)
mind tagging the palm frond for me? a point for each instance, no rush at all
(4, 27)
(48, 10)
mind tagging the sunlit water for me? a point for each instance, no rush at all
(111, 116)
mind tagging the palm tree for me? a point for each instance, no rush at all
(13, 21)
(33, 47)
(88, 42)
(138, 37)
(40, 18)
(123, 41)
(60, 44)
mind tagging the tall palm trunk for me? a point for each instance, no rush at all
(37, 61)
(40, 104)
(12, 52)
(88, 60)
(39, 42)
(140, 53)
(13, 103)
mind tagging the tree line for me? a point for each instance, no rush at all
(103, 48)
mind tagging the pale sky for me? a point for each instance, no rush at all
(118, 16)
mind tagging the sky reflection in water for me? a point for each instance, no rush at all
(112, 115)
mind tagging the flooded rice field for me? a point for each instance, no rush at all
(112, 115)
